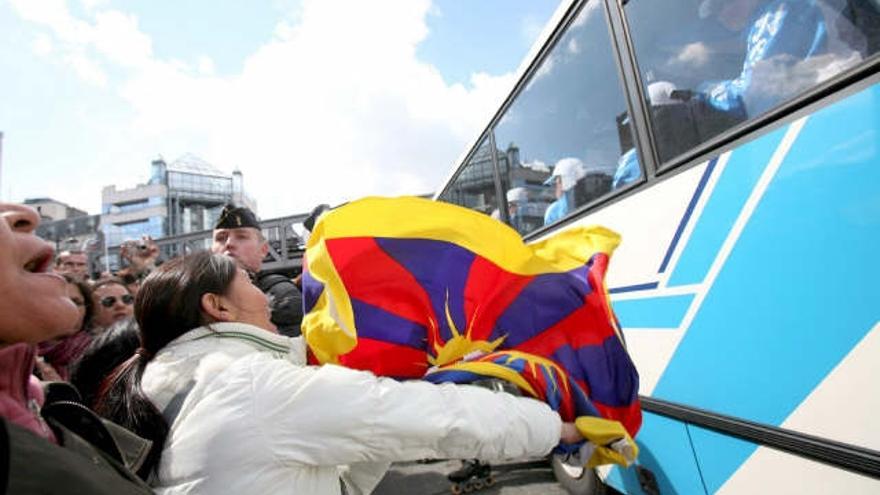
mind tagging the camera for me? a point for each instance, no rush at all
(136, 245)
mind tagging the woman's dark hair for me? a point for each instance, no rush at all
(61, 353)
(86, 291)
(106, 351)
(168, 304)
(109, 281)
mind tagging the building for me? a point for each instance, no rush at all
(68, 228)
(51, 210)
(71, 234)
(182, 197)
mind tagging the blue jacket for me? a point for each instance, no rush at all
(791, 30)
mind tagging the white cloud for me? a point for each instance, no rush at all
(117, 37)
(205, 66)
(54, 15)
(87, 69)
(572, 46)
(42, 45)
(332, 108)
(531, 28)
(586, 13)
(92, 4)
(691, 55)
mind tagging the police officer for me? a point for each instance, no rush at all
(238, 235)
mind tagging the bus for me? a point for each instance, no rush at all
(735, 146)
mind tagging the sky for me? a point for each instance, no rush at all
(315, 101)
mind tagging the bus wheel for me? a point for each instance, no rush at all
(575, 480)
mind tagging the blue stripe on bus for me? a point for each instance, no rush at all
(717, 453)
(687, 214)
(787, 307)
(652, 312)
(744, 168)
(633, 288)
(665, 449)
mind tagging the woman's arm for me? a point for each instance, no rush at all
(332, 415)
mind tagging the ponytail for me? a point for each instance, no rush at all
(122, 400)
(167, 305)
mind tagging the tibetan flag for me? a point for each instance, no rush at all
(413, 288)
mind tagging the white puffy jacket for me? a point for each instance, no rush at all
(247, 415)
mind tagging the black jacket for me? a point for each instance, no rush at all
(285, 302)
(94, 455)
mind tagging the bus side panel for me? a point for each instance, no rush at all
(735, 183)
(770, 471)
(648, 222)
(661, 208)
(664, 449)
(798, 290)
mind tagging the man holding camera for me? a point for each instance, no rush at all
(141, 257)
(238, 235)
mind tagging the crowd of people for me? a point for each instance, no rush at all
(177, 380)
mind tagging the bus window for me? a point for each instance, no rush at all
(709, 65)
(562, 140)
(474, 186)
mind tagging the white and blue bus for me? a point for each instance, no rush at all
(735, 146)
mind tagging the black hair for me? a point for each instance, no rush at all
(110, 281)
(106, 351)
(167, 305)
(86, 291)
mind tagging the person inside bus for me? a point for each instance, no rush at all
(517, 198)
(566, 173)
(628, 169)
(232, 406)
(781, 37)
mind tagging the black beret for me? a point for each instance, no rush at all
(309, 222)
(233, 217)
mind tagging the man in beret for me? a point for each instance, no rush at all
(237, 234)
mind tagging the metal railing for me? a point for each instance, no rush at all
(286, 245)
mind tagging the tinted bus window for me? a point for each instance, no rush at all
(474, 186)
(565, 138)
(709, 65)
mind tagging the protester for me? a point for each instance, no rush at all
(73, 263)
(112, 302)
(35, 307)
(241, 412)
(237, 234)
(104, 353)
(141, 257)
(56, 356)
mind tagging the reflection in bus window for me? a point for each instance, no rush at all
(517, 208)
(712, 64)
(474, 186)
(562, 139)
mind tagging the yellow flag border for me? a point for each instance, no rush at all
(329, 328)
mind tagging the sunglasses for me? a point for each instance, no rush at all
(109, 301)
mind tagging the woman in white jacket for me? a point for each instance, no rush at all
(233, 408)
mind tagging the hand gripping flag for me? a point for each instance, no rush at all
(412, 288)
